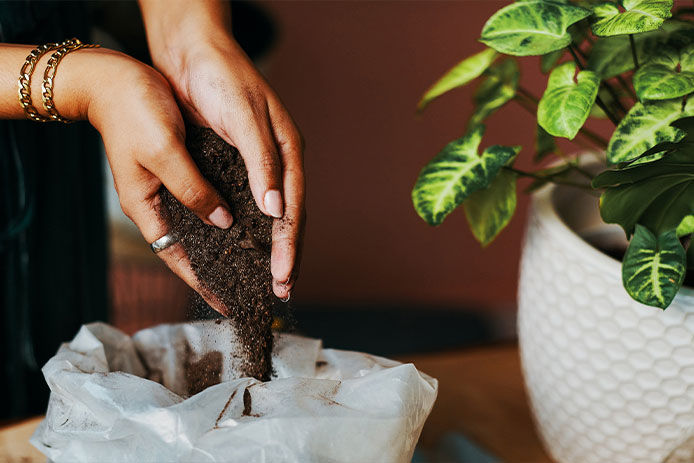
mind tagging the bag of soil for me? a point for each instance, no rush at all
(172, 393)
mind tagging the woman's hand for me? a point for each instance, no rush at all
(218, 87)
(133, 108)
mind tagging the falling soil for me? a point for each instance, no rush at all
(233, 264)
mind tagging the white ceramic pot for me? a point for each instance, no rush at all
(609, 380)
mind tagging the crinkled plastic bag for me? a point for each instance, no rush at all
(121, 398)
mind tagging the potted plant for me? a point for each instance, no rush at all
(609, 372)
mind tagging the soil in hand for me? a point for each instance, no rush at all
(232, 264)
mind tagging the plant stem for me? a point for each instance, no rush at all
(615, 96)
(633, 50)
(605, 83)
(526, 93)
(572, 49)
(598, 100)
(578, 50)
(573, 163)
(683, 11)
(587, 133)
(627, 88)
(523, 173)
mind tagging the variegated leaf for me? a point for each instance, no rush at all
(455, 173)
(611, 56)
(667, 75)
(497, 89)
(644, 126)
(566, 103)
(639, 16)
(461, 74)
(489, 210)
(653, 268)
(532, 27)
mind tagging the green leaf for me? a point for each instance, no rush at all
(668, 75)
(682, 147)
(549, 60)
(489, 210)
(496, 90)
(653, 268)
(644, 126)
(639, 16)
(461, 74)
(658, 195)
(566, 103)
(531, 27)
(579, 31)
(686, 226)
(611, 56)
(544, 144)
(455, 173)
(607, 98)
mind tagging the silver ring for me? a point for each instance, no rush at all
(164, 242)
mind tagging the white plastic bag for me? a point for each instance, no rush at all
(322, 405)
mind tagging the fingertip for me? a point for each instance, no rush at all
(281, 266)
(273, 203)
(282, 291)
(221, 217)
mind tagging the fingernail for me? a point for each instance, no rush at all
(221, 217)
(273, 203)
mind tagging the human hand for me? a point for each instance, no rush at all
(218, 87)
(133, 108)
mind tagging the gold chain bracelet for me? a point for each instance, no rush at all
(49, 77)
(25, 74)
(25, 79)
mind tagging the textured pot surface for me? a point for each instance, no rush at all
(609, 379)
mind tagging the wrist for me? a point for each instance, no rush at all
(103, 79)
(178, 31)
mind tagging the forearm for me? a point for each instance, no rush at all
(71, 95)
(174, 27)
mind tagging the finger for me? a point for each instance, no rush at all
(151, 217)
(288, 231)
(251, 133)
(179, 174)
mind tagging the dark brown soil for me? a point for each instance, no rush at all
(247, 403)
(203, 373)
(233, 264)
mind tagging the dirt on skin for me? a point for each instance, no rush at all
(232, 264)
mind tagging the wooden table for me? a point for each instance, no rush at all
(14, 442)
(481, 395)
